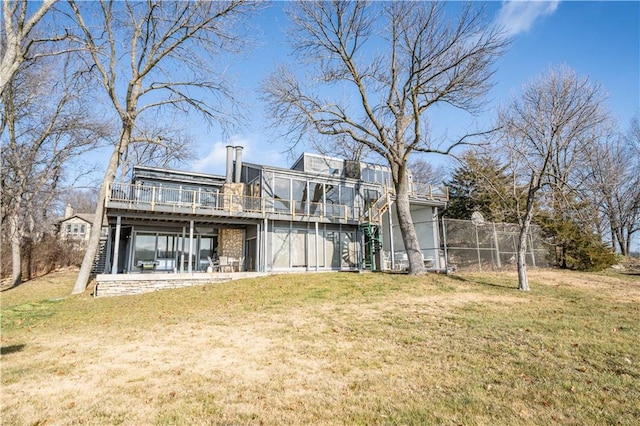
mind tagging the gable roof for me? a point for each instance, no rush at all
(87, 217)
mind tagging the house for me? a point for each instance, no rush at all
(321, 214)
(75, 227)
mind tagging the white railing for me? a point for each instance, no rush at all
(430, 192)
(156, 198)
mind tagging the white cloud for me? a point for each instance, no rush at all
(214, 162)
(519, 16)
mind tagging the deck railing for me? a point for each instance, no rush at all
(156, 198)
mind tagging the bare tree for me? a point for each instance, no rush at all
(152, 57)
(614, 183)
(545, 134)
(16, 41)
(391, 63)
(169, 146)
(82, 200)
(46, 124)
(425, 172)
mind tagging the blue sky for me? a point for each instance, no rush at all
(597, 39)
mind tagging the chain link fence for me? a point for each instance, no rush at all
(489, 245)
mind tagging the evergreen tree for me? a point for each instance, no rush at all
(480, 184)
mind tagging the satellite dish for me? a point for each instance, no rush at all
(477, 219)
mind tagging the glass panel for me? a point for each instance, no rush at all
(349, 252)
(312, 248)
(371, 196)
(282, 194)
(209, 198)
(332, 244)
(332, 196)
(166, 252)
(280, 248)
(317, 194)
(298, 248)
(144, 250)
(299, 195)
(347, 196)
(204, 252)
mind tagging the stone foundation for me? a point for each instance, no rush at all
(128, 284)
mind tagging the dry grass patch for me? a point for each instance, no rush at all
(327, 349)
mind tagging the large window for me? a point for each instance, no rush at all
(165, 251)
(282, 194)
(145, 249)
(299, 195)
(349, 250)
(205, 251)
(347, 199)
(317, 197)
(332, 247)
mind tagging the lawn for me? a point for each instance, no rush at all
(335, 348)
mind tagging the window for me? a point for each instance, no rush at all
(82, 229)
(145, 247)
(282, 194)
(68, 229)
(332, 247)
(317, 200)
(299, 195)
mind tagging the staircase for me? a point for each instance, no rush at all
(372, 244)
(100, 261)
(370, 226)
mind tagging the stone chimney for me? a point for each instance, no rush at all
(68, 211)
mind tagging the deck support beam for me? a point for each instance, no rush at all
(190, 268)
(116, 247)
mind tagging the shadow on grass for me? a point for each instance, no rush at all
(485, 283)
(6, 350)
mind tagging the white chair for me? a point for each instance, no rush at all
(226, 263)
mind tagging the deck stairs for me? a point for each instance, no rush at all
(370, 226)
(100, 261)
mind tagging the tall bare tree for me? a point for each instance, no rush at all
(170, 146)
(614, 184)
(82, 200)
(545, 134)
(153, 57)
(16, 41)
(47, 124)
(375, 71)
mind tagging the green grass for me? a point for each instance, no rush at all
(328, 349)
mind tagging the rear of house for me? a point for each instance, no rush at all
(323, 213)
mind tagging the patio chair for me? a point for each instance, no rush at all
(226, 263)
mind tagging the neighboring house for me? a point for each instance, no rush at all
(321, 214)
(75, 226)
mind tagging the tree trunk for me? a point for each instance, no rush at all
(622, 242)
(523, 280)
(96, 227)
(525, 225)
(16, 254)
(407, 229)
